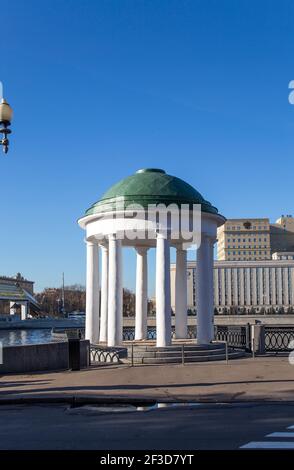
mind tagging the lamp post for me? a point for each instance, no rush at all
(5, 121)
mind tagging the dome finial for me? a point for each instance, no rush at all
(151, 170)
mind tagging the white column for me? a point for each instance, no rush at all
(181, 318)
(273, 286)
(292, 286)
(229, 287)
(267, 287)
(254, 288)
(115, 293)
(235, 286)
(141, 294)
(279, 287)
(248, 287)
(204, 286)
(216, 286)
(285, 286)
(92, 294)
(241, 287)
(24, 310)
(223, 286)
(104, 294)
(261, 294)
(163, 302)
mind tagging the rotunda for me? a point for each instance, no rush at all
(149, 209)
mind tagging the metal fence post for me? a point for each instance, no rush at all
(253, 348)
(132, 355)
(183, 355)
(248, 337)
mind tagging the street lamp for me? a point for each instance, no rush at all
(5, 121)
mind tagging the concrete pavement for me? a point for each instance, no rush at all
(265, 378)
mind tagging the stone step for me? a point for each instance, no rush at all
(188, 359)
(188, 347)
(139, 353)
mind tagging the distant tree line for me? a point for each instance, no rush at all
(50, 300)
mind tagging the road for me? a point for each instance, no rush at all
(205, 426)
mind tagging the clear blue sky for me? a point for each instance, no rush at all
(102, 88)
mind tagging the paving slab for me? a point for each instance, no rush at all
(263, 378)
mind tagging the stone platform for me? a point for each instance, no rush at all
(146, 352)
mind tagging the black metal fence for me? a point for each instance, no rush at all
(272, 339)
(99, 354)
(278, 338)
(236, 336)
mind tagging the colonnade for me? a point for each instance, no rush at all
(104, 317)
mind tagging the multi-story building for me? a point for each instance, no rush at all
(244, 239)
(245, 286)
(254, 239)
(282, 234)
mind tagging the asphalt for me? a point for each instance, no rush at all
(204, 427)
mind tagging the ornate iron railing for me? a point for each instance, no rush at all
(235, 336)
(277, 338)
(99, 354)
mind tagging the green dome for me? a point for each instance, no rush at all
(150, 186)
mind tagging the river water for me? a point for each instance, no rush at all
(33, 336)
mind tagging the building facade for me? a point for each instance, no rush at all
(18, 281)
(254, 239)
(245, 286)
(244, 240)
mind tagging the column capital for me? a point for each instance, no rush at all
(141, 250)
(103, 246)
(162, 234)
(181, 248)
(91, 242)
(206, 238)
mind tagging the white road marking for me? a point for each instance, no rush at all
(269, 445)
(290, 427)
(281, 434)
